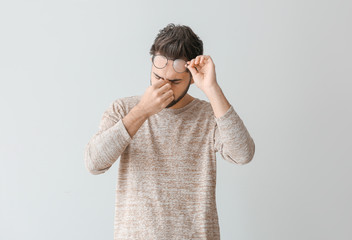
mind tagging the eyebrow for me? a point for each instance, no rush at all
(176, 79)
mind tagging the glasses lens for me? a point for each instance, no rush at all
(159, 61)
(179, 65)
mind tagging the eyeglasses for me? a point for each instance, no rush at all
(160, 61)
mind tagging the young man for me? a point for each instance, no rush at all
(167, 141)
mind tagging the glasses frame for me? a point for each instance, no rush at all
(167, 60)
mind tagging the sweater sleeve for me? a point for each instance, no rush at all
(106, 146)
(231, 138)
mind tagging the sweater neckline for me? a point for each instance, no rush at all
(179, 110)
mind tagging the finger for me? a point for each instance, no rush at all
(192, 69)
(171, 98)
(197, 59)
(164, 88)
(168, 94)
(202, 61)
(168, 100)
(191, 63)
(159, 83)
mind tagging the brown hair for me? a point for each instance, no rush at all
(177, 41)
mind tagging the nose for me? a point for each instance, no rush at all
(167, 81)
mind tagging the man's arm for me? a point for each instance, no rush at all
(231, 137)
(134, 120)
(115, 134)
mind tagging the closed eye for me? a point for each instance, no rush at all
(173, 82)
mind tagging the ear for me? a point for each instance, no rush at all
(192, 81)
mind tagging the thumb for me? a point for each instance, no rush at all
(192, 70)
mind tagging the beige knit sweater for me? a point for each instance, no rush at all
(167, 171)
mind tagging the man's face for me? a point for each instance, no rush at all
(179, 82)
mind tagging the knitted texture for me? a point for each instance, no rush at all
(167, 171)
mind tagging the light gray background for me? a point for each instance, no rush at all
(285, 66)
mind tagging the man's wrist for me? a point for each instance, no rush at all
(139, 112)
